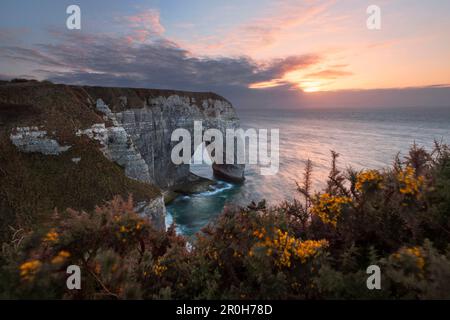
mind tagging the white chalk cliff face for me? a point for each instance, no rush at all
(140, 137)
(32, 139)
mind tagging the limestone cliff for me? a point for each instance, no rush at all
(148, 117)
(66, 126)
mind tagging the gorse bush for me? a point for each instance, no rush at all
(315, 247)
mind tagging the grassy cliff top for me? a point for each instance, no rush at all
(137, 96)
(46, 94)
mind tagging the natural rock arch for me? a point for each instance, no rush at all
(148, 119)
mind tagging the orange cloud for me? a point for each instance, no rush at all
(267, 84)
(328, 74)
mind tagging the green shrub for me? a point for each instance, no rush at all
(315, 247)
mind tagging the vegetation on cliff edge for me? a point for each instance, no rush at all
(315, 247)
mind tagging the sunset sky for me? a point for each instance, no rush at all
(246, 48)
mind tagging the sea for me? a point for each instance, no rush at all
(364, 139)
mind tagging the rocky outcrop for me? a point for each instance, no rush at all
(32, 139)
(117, 146)
(154, 210)
(142, 129)
(230, 172)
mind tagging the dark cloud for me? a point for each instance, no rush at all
(80, 58)
(164, 64)
(104, 60)
(28, 55)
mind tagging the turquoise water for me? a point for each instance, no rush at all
(363, 138)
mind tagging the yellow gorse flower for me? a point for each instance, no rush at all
(260, 233)
(61, 257)
(309, 248)
(328, 207)
(286, 247)
(409, 184)
(368, 178)
(415, 253)
(29, 269)
(124, 230)
(159, 269)
(284, 244)
(51, 236)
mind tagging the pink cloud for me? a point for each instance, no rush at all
(263, 31)
(144, 26)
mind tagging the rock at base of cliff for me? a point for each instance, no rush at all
(154, 210)
(229, 172)
(194, 184)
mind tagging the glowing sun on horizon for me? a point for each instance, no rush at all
(310, 86)
(305, 83)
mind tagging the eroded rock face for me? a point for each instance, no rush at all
(118, 146)
(154, 210)
(140, 138)
(32, 139)
(230, 172)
